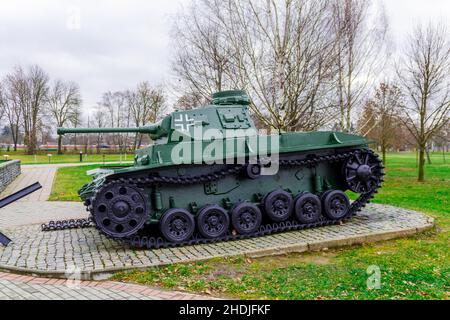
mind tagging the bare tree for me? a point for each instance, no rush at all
(360, 43)
(380, 117)
(190, 100)
(203, 57)
(442, 140)
(118, 115)
(29, 93)
(100, 122)
(38, 88)
(424, 72)
(64, 101)
(75, 121)
(2, 101)
(16, 96)
(44, 130)
(289, 55)
(284, 54)
(146, 105)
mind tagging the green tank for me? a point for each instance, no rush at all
(210, 175)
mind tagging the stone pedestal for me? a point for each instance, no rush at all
(9, 170)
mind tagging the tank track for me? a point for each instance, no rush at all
(150, 242)
(68, 224)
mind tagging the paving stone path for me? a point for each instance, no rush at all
(21, 287)
(35, 208)
(32, 174)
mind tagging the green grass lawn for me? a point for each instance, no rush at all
(42, 157)
(67, 182)
(411, 268)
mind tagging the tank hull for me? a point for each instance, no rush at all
(211, 176)
(236, 187)
(161, 157)
(194, 187)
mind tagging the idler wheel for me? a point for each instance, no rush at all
(363, 172)
(278, 205)
(335, 204)
(120, 209)
(307, 207)
(213, 221)
(177, 225)
(246, 218)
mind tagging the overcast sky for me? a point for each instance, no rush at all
(112, 45)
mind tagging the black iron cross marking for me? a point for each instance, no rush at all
(183, 122)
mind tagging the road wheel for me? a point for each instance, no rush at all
(213, 221)
(177, 225)
(278, 205)
(307, 208)
(246, 218)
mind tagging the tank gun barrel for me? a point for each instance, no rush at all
(149, 129)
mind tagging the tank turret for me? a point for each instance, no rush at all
(229, 110)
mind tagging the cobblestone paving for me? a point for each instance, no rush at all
(19, 287)
(27, 213)
(90, 253)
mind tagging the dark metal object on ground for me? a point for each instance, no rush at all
(20, 194)
(4, 240)
(67, 224)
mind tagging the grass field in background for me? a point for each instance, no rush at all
(401, 188)
(69, 180)
(411, 268)
(42, 157)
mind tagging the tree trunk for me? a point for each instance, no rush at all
(417, 157)
(15, 136)
(135, 142)
(139, 141)
(421, 177)
(29, 148)
(98, 143)
(32, 143)
(383, 152)
(60, 144)
(427, 151)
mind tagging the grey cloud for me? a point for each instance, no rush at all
(118, 44)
